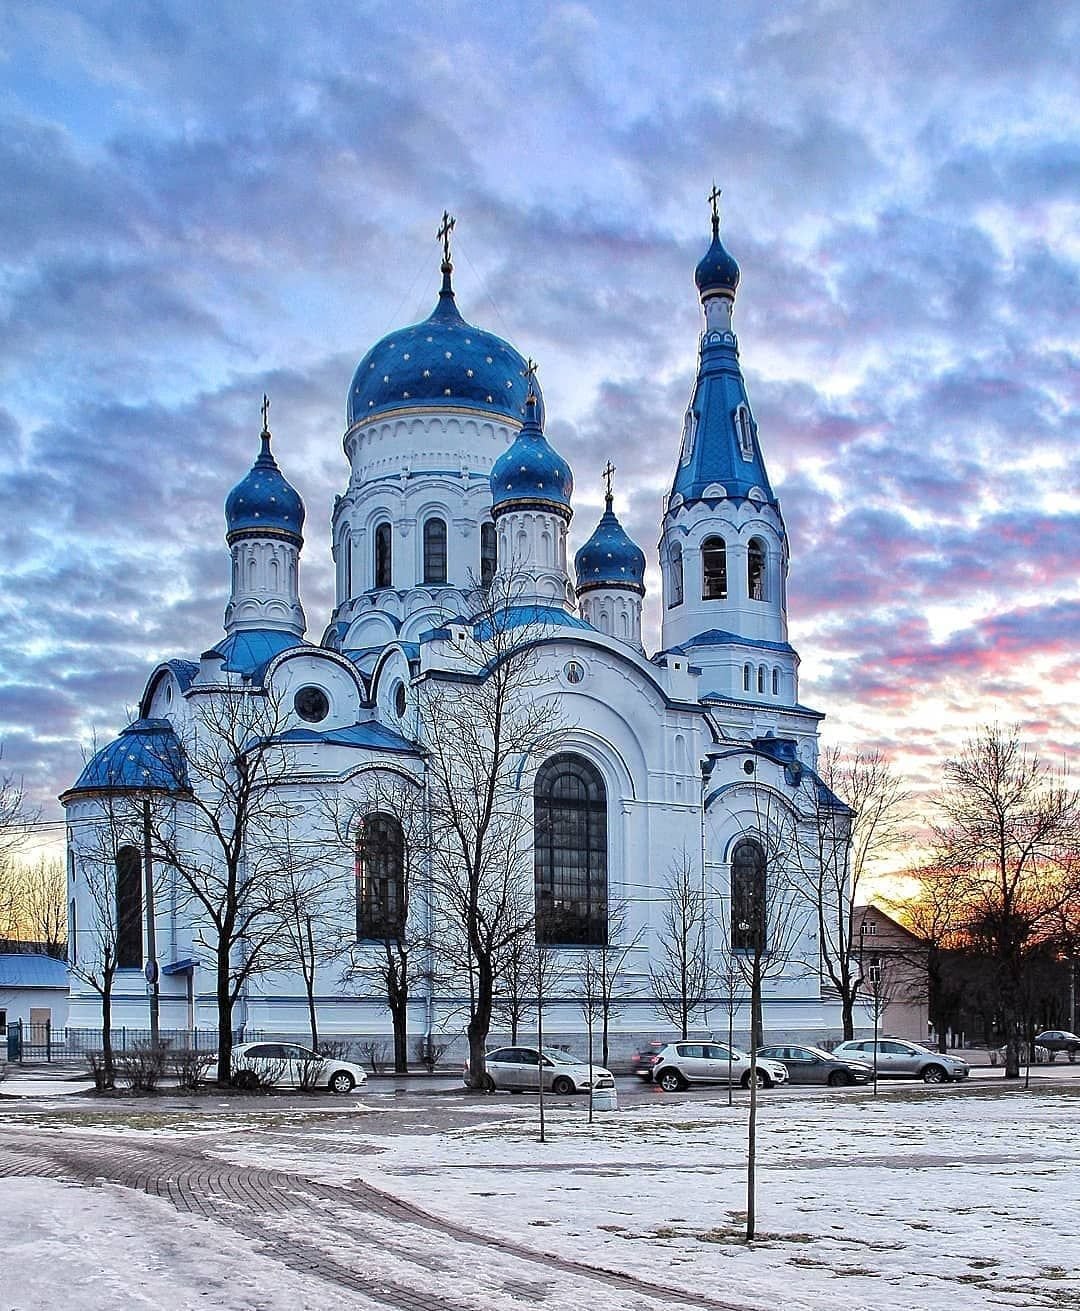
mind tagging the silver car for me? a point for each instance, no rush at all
(683, 1063)
(517, 1069)
(288, 1065)
(904, 1060)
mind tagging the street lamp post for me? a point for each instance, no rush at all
(151, 967)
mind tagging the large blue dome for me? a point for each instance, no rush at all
(530, 471)
(717, 270)
(442, 361)
(609, 558)
(146, 755)
(264, 501)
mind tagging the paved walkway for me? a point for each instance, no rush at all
(308, 1225)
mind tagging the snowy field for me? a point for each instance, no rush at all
(915, 1199)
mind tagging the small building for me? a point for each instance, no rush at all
(33, 989)
(895, 975)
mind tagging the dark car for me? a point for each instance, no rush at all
(814, 1065)
(1059, 1040)
(646, 1056)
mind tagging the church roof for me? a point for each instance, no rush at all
(264, 500)
(441, 361)
(147, 754)
(249, 651)
(531, 471)
(720, 637)
(609, 558)
(370, 735)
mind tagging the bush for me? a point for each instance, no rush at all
(188, 1067)
(429, 1053)
(103, 1078)
(141, 1068)
(375, 1053)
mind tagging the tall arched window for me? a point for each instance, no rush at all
(380, 879)
(570, 820)
(761, 679)
(346, 562)
(713, 569)
(776, 682)
(384, 556)
(435, 551)
(746, 678)
(129, 954)
(755, 570)
(748, 909)
(676, 575)
(489, 554)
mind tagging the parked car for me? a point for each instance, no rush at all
(904, 1060)
(1059, 1040)
(288, 1065)
(815, 1065)
(683, 1063)
(645, 1058)
(517, 1069)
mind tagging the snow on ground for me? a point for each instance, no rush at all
(96, 1249)
(913, 1198)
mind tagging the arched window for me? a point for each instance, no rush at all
(346, 562)
(713, 569)
(761, 679)
(675, 569)
(744, 431)
(384, 556)
(748, 911)
(755, 570)
(380, 879)
(776, 682)
(489, 554)
(129, 955)
(570, 821)
(73, 935)
(746, 678)
(435, 551)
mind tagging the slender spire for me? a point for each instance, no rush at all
(714, 199)
(446, 227)
(608, 475)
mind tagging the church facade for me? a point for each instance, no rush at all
(678, 760)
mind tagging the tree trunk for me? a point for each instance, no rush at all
(848, 1017)
(480, 1026)
(751, 1150)
(106, 1027)
(224, 1016)
(604, 1037)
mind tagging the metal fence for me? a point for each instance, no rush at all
(41, 1042)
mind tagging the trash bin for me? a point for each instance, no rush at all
(605, 1099)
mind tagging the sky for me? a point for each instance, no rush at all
(202, 203)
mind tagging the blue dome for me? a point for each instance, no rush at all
(264, 501)
(147, 754)
(531, 471)
(609, 558)
(717, 270)
(442, 361)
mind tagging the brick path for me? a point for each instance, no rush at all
(265, 1206)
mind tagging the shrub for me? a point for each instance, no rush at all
(375, 1053)
(142, 1066)
(429, 1053)
(103, 1077)
(188, 1067)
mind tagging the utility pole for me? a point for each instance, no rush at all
(151, 968)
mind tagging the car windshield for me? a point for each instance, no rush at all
(815, 1051)
(736, 1055)
(560, 1058)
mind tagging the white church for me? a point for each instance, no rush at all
(451, 486)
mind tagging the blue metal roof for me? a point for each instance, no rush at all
(720, 637)
(375, 737)
(717, 270)
(264, 501)
(32, 970)
(609, 558)
(249, 652)
(441, 361)
(530, 471)
(147, 754)
(513, 617)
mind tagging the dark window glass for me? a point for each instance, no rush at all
(129, 908)
(435, 551)
(380, 879)
(384, 556)
(489, 553)
(761, 678)
(312, 704)
(755, 570)
(747, 896)
(746, 678)
(713, 569)
(776, 682)
(570, 816)
(676, 597)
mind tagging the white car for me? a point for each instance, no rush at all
(683, 1063)
(288, 1065)
(517, 1069)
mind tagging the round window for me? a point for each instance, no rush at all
(574, 672)
(748, 766)
(399, 700)
(311, 703)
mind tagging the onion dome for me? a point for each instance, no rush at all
(441, 361)
(717, 270)
(264, 502)
(146, 755)
(530, 472)
(609, 558)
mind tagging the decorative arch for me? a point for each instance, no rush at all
(756, 564)
(129, 909)
(570, 853)
(380, 879)
(713, 569)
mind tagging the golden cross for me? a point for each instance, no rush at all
(529, 374)
(714, 198)
(609, 474)
(266, 412)
(443, 234)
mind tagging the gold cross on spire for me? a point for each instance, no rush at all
(266, 412)
(529, 374)
(443, 234)
(608, 475)
(714, 200)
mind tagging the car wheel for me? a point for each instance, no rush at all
(762, 1079)
(839, 1079)
(671, 1081)
(517, 1091)
(562, 1086)
(933, 1074)
(341, 1082)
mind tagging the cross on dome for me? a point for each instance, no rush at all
(445, 228)
(608, 475)
(714, 200)
(529, 374)
(266, 414)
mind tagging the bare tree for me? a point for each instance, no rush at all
(515, 985)
(842, 842)
(1007, 842)
(42, 904)
(880, 987)
(16, 820)
(680, 971)
(484, 721)
(599, 987)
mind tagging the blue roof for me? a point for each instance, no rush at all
(32, 970)
(376, 737)
(717, 270)
(530, 471)
(720, 637)
(249, 652)
(264, 501)
(512, 617)
(441, 361)
(147, 754)
(185, 671)
(609, 558)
